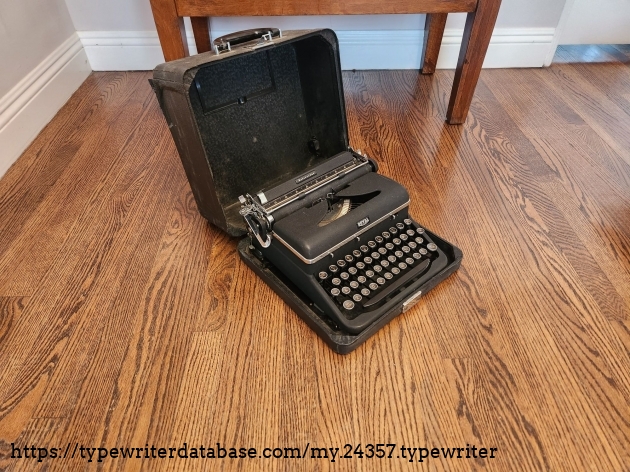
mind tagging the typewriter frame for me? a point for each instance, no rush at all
(298, 74)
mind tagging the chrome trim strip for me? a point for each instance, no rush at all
(337, 246)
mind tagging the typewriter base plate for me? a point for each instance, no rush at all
(338, 340)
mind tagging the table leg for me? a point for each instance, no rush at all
(201, 30)
(433, 32)
(477, 33)
(170, 28)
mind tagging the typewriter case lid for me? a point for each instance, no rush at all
(253, 117)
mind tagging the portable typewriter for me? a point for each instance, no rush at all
(260, 127)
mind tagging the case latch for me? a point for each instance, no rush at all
(411, 301)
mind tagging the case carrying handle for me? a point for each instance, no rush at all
(225, 42)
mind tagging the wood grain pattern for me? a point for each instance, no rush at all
(433, 33)
(321, 7)
(477, 34)
(126, 319)
(201, 31)
(170, 28)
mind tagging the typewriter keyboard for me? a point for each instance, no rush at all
(368, 276)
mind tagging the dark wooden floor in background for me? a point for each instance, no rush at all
(125, 319)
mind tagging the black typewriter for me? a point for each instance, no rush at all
(261, 130)
(343, 235)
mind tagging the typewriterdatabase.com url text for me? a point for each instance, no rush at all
(185, 451)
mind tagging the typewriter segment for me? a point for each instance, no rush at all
(352, 250)
(366, 277)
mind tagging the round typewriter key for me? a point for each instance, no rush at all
(397, 242)
(348, 304)
(341, 263)
(375, 255)
(357, 298)
(389, 246)
(367, 260)
(344, 276)
(356, 253)
(386, 235)
(365, 292)
(361, 279)
(382, 251)
(406, 249)
(419, 230)
(432, 247)
(416, 256)
(388, 276)
(369, 273)
(380, 281)
(322, 275)
(354, 284)
(404, 237)
(398, 254)
(335, 292)
(364, 248)
(419, 240)
(402, 266)
(409, 261)
(360, 265)
(407, 221)
(385, 263)
(412, 245)
(349, 258)
(346, 290)
(372, 244)
(373, 286)
(391, 258)
(411, 232)
(333, 268)
(400, 226)
(378, 268)
(393, 230)
(352, 270)
(336, 282)
(422, 251)
(395, 270)
(379, 239)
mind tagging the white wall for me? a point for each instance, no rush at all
(601, 22)
(525, 30)
(43, 63)
(25, 39)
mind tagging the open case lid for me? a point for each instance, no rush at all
(250, 118)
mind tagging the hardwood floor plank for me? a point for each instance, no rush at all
(136, 322)
(27, 182)
(602, 114)
(152, 367)
(99, 154)
(586, 198)
(610, 77)
(581, 311)
(508, 405)
(88, 267)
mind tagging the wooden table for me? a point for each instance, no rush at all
(169, 20)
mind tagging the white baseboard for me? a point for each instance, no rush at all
(394, 49)
(31, 104)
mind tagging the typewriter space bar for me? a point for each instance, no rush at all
(419, 269)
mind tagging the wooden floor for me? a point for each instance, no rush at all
(125, 319)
